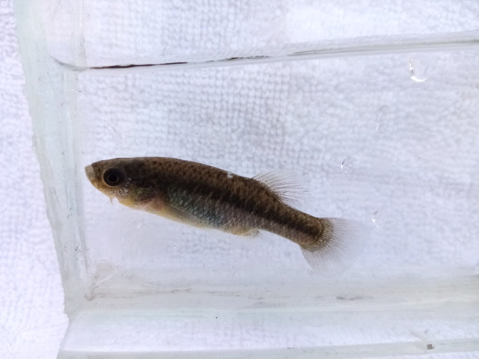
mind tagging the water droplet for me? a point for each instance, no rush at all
(379, 217)
(347, 165)
(382, 115)
(418, 71)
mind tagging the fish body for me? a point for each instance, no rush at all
(209, 197)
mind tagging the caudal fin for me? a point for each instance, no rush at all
(341, 242)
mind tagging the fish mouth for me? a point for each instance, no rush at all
(90, 173)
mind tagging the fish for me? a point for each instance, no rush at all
(204, 196)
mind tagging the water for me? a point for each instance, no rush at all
(161, 114)
(378, 131)
(163, 108)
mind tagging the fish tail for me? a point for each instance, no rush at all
(338, 245)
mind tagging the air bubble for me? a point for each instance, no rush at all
(347, 165)
(229, 175)
(418, 71)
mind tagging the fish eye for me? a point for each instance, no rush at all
(113, 177)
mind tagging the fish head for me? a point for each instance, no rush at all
(126, 179)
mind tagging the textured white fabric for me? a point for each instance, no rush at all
(308, 118)
(32, 322)
(290, 116)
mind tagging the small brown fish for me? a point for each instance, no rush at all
(208, 197)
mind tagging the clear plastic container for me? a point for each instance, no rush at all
(373, 106)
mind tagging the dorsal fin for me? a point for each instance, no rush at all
(288, 188)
